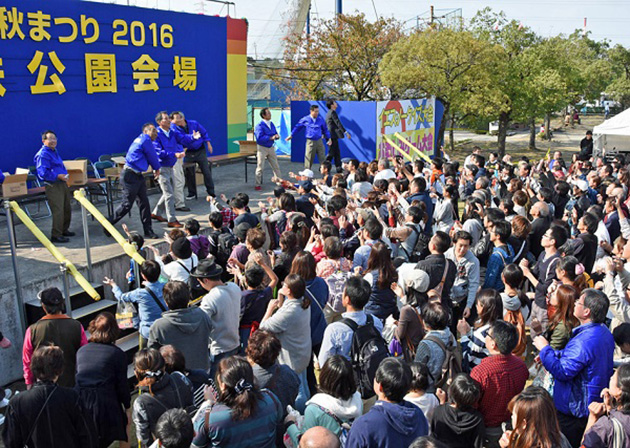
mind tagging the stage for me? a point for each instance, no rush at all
(38, 269)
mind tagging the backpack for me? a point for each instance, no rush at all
(196, 290)
(367, 351)
(336, 283)
(225, 243)
(452, 364)
(421, 246)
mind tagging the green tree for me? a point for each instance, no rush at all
(451, 65)
(619, 88)
(517, 71)
(340, 58)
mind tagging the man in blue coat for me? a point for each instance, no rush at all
(169, 149)
(140, 155)
(52, 171)
(583, 368)
(266, 136)
(195, 153)
(315, 127)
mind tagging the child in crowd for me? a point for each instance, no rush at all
(457, 423)
(418, 392)
(199, 244)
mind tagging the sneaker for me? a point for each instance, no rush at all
(191, 197)
(257, 188)
(175, 224)
(5, 342)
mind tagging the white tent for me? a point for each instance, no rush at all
(613, 135)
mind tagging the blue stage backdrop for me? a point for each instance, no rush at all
(360, 118)
(94, 73)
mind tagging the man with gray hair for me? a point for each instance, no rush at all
(583, 368)
(384, 172)
(540, 224)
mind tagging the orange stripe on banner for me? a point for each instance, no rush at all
(236, 46)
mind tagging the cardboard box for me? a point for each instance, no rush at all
(114, 172)
(77, 172)
(247, 146)
(15, 184)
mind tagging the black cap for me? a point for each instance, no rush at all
(50, 296)
(181, 248)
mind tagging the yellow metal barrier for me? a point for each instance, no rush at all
(397, 148)
(79, 195)
(87, 287)
(408, 143)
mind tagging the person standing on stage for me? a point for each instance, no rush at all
(266, 136)
(337, 131)
(52, 171)
(169, 149)
(195, 153)
(140, 155)
(315, 128)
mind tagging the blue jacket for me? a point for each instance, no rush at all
(318, 289)
(148, 310)
(582, 369)
(424, 197)
(141, 153)
(263, 134)
(314, 129)
(191, 127)
(388, 425)
(169, 145)
(49, 164)
(497, 261)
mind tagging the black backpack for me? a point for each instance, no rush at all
(420, 247)
(196, 290)
(367, 351)
(452, 364)
(226, 242)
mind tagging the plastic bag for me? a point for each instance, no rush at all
(126, 315)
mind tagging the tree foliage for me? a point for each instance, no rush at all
(340, 58)
(619, 88)
(453, 66)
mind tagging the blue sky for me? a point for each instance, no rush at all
(606, 19)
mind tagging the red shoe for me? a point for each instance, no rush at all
(175, 224)
(257, 188)
(158, 218)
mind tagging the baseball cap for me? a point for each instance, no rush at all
(307, 185)
(307, 173)
(581, 184)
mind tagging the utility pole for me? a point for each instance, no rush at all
(338, 7)
(308, 21)
(432, 16)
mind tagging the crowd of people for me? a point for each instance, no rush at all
(392, 304)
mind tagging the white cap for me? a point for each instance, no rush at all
(581, 184)
(307, 173)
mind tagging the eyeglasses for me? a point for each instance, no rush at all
(580, 303)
